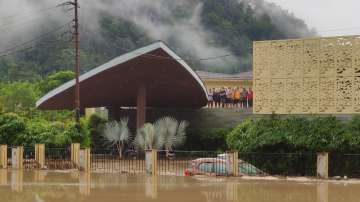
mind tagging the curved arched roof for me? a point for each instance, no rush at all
(169, 81)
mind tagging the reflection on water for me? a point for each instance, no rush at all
(44, 186)
(3, 177)
(85, 183)
(322, 192)
(151, 186)
(17, 178)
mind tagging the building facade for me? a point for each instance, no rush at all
(218, 80)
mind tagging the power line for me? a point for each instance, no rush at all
(35, 46)
(35, 39)
(25, 22)
(37, 11)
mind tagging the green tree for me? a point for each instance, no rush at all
(96, 127)
(11, 126)
(55, 80)
(18, 96)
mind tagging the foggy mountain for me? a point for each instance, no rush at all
(213, 35)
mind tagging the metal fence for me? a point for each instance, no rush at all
(284, 164)
(181, 163)
(109, 161)
(58, 158)
(250, 164)
(29, 158)
(344, 165)
(9, 156)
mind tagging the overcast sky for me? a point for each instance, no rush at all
(329, 17)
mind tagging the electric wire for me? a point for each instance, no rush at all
(58, 5)
(34, 39)
(48, 43)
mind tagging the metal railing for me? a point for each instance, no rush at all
(29, 158)
(284, 164)
(9, 156)
(58, 158)
(344, 165)
(109, 161)
(182, 163)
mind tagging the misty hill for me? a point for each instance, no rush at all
(211, 35)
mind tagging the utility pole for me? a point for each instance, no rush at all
(77, 60)
(77, 64)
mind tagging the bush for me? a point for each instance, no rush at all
(11, 126)
(40, 131)
(296, 135)
(96, 127)
(16, 130)
(207, 139)
(79, 134)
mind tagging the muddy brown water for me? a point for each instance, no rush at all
(43, 186)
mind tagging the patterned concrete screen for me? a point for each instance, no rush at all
(306, 76)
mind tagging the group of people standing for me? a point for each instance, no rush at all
(230, 97)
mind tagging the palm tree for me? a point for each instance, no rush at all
(117, 134)
(147, 138)
(165, 133)
(173, 133)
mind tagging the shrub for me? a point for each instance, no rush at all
(325, 134)
(237, 138)
(11, 126)
(96, 126)
(207, 139)
(296, 134)
(41, 131)
(79, 134)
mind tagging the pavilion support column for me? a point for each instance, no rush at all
(141, 106)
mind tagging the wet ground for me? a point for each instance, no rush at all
(43, 186)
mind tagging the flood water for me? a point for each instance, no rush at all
(43, 186)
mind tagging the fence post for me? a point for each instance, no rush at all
(84, 160)
(154, 161)
(322, 167)
(17, 154)
(232, 163)
(75, 150)
(151, 161)
(235, 163)
(148, 162)
(40, 155)
(3, 156)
